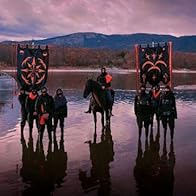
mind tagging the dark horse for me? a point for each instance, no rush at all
(98, 101)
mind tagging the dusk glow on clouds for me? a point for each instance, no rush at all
(34, 19)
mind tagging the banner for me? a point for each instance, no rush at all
(32, 67)
(153, 63)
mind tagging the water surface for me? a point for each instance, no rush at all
(113, 164)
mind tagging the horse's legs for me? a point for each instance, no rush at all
(165, 132)
(152, 119)
(158, 121)
(107, 117)
(102, 119)
(140, 132)
(95, 120)
(151, 131)
(146, 131)
(95, 137)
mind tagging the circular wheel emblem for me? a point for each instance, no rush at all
(33, 70)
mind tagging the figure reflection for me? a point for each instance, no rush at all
(101, 154)
(154, 170)
(42, 173)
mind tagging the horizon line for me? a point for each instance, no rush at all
(56, 36)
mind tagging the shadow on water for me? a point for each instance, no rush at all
(41, 173)
(154, 169)
(101, 154)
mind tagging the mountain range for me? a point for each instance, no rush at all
(115, 41)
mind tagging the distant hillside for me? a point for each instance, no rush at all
(97, 41)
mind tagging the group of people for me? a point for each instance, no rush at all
(156, 102)
(44, 109)
(47, 110)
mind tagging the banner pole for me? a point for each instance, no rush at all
(170, 63)
(137, 66)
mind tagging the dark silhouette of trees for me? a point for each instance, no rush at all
(61, 57)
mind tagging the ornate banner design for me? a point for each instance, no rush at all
(153, 63)
(32, 67)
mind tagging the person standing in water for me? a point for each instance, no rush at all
(60, 110)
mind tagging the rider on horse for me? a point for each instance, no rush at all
(105, 79)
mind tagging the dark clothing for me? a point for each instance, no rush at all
(60, 111)
(22, 100)
(31, 118)
(45, 105)
(60, 119)
(60, 104)
(155, 99)
(142, 109)
(168, 120)
(102, 80)
(145, 119)
(23, 118)
(167, 105)
(30, 107)
(142, 105)
(167, 110)
(109, 98)
(49, 129)
(30, 103)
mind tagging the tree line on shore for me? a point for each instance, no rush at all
(93, 58)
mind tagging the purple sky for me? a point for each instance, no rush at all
(32, 19)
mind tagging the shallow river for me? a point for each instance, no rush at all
(113, 163)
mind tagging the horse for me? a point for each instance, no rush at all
(98, 101)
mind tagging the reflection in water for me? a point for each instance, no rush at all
(77, 129)
(154, 171)
(42, 174)
(101, 154)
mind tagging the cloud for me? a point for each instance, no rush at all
(49, 18)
